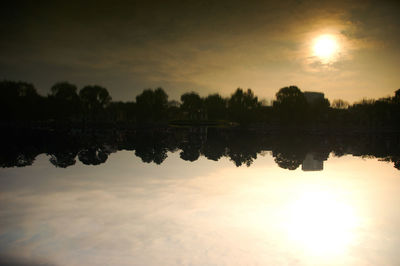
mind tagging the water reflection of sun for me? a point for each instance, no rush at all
(321, 224)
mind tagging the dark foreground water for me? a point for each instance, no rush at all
(179, 198)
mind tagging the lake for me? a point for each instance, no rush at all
(199, 196)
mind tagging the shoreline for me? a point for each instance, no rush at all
(225, 125)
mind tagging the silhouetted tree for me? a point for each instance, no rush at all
(242, 106)
(93, 155)
(191, 144)
(65, 91)
(65, 101)
(19, 101)
(12, 90)
(20, 147)
(395, 110)
(286, 161)
(151, 146)
(192, 105)
(17, 160)
(397, 95)
(290, 95)
(318, 110)
(340, 104)
(396, 162)
(94, 99)
(216, 106)
(174, 111)
(152, 105)
(22, 106)
(290, 104)
(63, 159)
(289, 151)
(361, 113)
(215, 145)
(242, 148)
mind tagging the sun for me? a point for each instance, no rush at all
(322, 224)
(325, 47)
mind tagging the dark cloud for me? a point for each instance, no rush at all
(6, 260)
(376, 21)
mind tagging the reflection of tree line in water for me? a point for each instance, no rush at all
(152, 146)
(65, 106)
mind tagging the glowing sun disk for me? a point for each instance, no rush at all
(325, 47)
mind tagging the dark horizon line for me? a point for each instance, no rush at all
(363, 99)
(21, 102)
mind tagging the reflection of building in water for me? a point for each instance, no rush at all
(312, 96)
(310, 163)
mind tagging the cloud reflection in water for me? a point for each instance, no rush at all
(124, 212)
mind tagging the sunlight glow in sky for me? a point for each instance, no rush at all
(345, 49)
(325, 47)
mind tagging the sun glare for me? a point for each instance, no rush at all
(322, 224)
(325, 47)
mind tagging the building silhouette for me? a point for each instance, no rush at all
(312, 96)
(310, 163)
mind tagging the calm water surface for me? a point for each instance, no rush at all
(125, 212)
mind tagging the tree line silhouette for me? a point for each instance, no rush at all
(242, 147)
(92, 105)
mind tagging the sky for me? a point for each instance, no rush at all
(204, 46)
